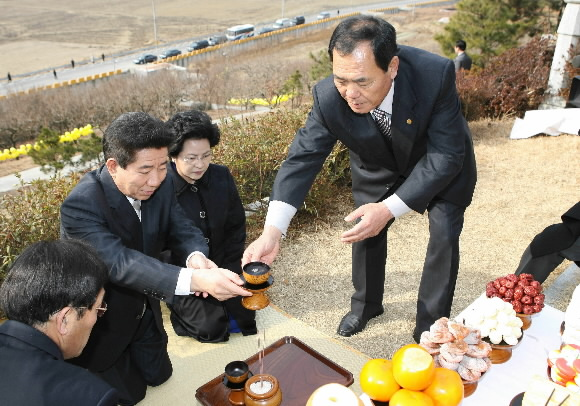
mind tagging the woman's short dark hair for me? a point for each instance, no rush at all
(364, 28)
(132, 132)
(49, 276)
(192, 124)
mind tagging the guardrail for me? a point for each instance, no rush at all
(66, 83)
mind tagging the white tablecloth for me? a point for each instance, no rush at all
(504, 381)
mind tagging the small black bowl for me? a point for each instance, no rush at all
(237, 371)
(256, 272)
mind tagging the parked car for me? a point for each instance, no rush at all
(298, 20)
(169, 53)
(201, 44)
(265, 29)
(143, 59)
(283, 23)
(217, 39)
(323, 15)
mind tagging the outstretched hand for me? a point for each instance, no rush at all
(220, 283)
(265, 248)
(373, 218)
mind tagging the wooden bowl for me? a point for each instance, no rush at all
(256, 272)
(470, 387)
(237, 371)
(501, 352)
(526, 320)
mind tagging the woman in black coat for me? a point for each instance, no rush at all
(208, 194)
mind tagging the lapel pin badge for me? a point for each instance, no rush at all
(409, 121)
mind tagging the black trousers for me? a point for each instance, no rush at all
(206, 319)
(144, 363)
(440, 269)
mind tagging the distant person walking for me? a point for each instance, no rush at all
(9, 76)
(103, 57)
(72, 62)
(54, 73)
(462, 60)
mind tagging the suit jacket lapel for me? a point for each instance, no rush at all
(371, 143)
(122, 211)
(404, 124)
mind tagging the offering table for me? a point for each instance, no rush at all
(529, 358)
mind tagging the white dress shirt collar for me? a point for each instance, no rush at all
(387, 103)
(137, 211)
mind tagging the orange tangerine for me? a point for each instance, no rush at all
(413, 367)
(407, 397)
(446, 388)
(377, 380)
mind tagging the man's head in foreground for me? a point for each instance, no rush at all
(57, 288)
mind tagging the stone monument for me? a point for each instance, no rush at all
(568, 40)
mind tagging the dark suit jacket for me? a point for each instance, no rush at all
(558, 237)
(432, 152)
(33, 372)
(97, 212)
(224, 221)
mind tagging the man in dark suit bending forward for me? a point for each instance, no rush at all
(397, 110)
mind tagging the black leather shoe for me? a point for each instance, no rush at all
(417, 336)
(352, 324)
(417, 333)
(249, 330)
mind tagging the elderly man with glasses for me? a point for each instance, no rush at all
(52, 296)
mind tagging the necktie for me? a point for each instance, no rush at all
(137, 207)
(383, 120)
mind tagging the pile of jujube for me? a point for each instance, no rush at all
(522, 291)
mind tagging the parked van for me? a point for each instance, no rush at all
(283, 23)
(216, 39)
(323, 15)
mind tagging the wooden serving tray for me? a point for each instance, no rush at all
(300, 370)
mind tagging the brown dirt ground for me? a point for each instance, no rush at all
(523, 186)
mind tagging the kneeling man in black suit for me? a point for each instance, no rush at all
(52, 296)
